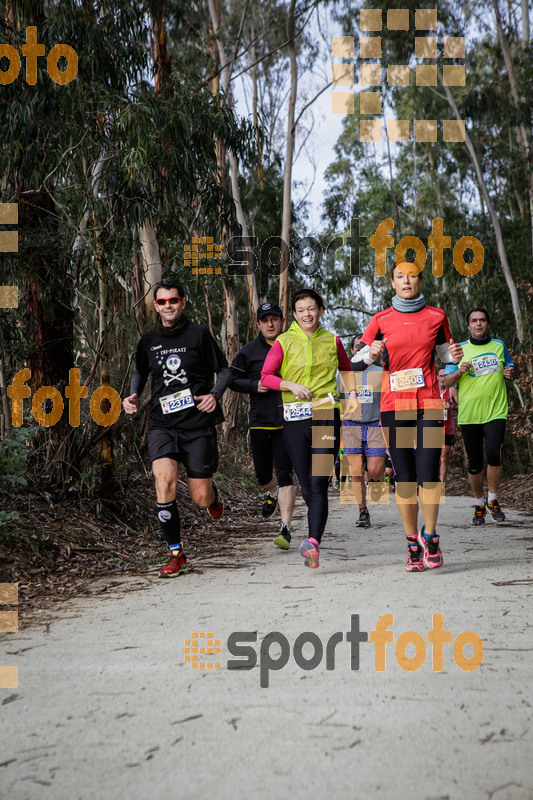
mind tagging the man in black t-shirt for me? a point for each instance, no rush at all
(181, 356)
(266, 421)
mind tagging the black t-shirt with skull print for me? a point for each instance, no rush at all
(182, 366)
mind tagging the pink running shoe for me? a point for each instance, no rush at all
(310, 551)
(414, 558)
(432, 556)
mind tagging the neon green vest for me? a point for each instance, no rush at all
(310, 361)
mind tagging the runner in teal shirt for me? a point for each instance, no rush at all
(483, 408)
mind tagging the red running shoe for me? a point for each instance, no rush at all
(177, 565)
(217, 506)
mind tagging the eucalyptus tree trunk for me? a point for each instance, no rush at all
(287, 174)
(502, 255)
(253, 299)
(230, 323)
(524, 137)
(106, 441)
(150, 263)
(525, 24)
(150, 253)
(231, 399)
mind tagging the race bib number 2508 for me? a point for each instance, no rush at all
(407, 379)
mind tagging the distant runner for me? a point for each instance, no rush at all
(408, 336)
(450, 400)
(266, 421)
(362, 437)
(181, 356)
(307, 357)
(483, 408)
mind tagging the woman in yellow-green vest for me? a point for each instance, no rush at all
(303, 363)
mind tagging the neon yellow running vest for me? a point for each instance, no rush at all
(310, 361)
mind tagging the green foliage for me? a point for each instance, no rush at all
(14, 450)
(423, 181)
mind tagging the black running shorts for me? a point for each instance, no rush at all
(415, 446)
(473, 435)
(196, 449)
(268, 448)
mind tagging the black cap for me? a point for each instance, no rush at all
(268, 308)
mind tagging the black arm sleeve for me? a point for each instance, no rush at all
(138, 382)
(223, 378)
(239, 380)
(140, 376)
(215, 358)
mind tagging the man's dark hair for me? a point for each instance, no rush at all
(357, 336)
(477, 308)
(169, 283)
(301, 293)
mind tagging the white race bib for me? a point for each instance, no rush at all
(293, 412)
(407, 379)
(364, 395)
(177, 401)
(484, 365)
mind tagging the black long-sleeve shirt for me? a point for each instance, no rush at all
(266, 408)
(182, 363)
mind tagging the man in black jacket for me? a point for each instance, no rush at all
(266, 421)
(181, 357)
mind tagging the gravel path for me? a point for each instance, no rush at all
(107, 706)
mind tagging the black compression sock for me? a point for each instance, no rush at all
(169, 518)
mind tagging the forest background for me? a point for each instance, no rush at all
(115, 172)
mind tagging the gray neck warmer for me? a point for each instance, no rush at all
(408, 306)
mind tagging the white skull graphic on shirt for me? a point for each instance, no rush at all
(173, 371)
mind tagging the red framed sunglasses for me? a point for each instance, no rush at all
(172, 300)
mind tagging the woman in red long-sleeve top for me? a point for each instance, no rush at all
(408, 336)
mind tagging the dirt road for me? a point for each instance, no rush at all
(108, 707)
